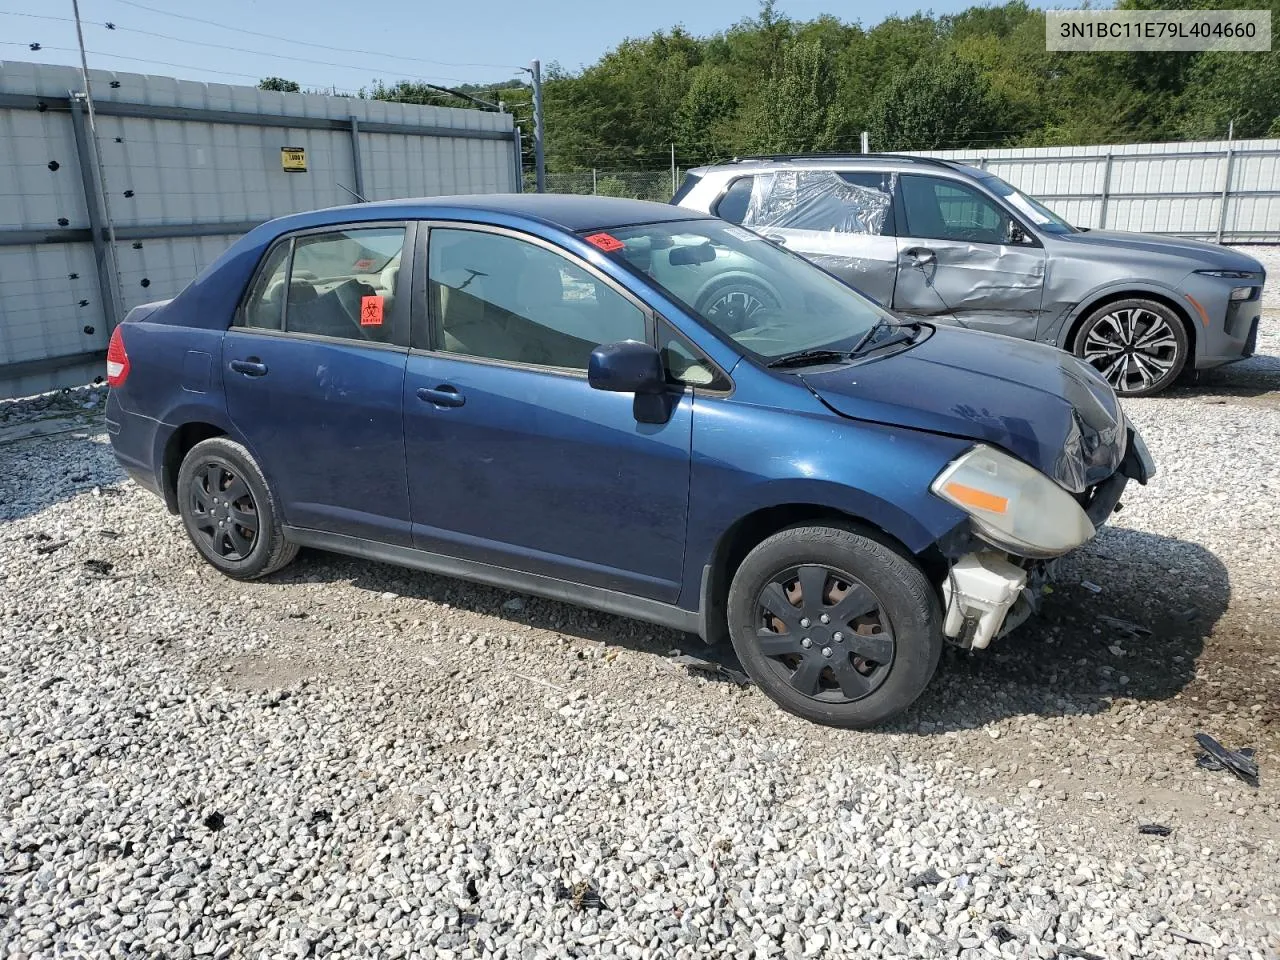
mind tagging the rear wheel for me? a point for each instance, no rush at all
(835, 626)
(228, 511)
(1139, 346)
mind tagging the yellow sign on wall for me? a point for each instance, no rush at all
(293, 159)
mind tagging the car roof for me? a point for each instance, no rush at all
(830, 161)
(565, 211)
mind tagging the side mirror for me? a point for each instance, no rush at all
(1017, 234)
(627, 367)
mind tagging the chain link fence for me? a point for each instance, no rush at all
(638, 185)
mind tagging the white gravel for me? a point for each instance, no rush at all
(352, 760)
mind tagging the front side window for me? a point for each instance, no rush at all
(503, 298)
(941, 209)
(337, 284)
(767, 300)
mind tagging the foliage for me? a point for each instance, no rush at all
(278, 83)
(933, 104)
(980, 77)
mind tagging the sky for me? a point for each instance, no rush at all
(347, 44)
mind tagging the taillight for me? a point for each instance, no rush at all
(117, 360)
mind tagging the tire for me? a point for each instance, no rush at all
(879, 649)
(730, 303)
(1139, 346)
(238, 533)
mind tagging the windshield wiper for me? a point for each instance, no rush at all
(805, 358)
(868, 338)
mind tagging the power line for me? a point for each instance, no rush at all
(318, 46)
(222, 46)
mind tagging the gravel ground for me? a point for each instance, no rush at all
(353, 760)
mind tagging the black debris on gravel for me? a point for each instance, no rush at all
(927, 878)
(103, 567)
(1242, 763)
(1154, 830)
(215, 821)
(716, 670)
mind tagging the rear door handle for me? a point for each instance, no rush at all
(253, 367)
(921, 255)
(445, 395)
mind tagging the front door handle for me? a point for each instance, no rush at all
(921, 255)
(444, 395)
(253, 367)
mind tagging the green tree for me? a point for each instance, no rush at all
(705, 115)
(793, 115)
(278, 83)
(936, 105)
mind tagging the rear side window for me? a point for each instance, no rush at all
(822, 200)
(265, 307)
(337, 284)
(733, 205)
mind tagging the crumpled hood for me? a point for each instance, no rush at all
(1207, 256)
(1034, 401)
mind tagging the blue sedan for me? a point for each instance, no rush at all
(629, 407)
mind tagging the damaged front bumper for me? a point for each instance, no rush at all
(989, 592)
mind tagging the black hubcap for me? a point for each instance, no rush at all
(224, 511)
(825, 633)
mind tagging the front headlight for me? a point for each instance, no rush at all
(1013, 505)
(1229, 274)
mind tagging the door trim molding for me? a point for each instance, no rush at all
(582, 595)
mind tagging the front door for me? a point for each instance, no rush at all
(513, 459)
(960, 259)
(314, 375)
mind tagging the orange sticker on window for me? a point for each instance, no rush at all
(371, 311)
(605, 242)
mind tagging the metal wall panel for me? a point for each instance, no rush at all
(170, 165)
(1171, 188)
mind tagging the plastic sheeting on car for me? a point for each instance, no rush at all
(816, 200)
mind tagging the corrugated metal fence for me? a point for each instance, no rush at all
(177, 171)
(1222, 190)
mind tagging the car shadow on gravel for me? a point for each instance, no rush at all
(1128, 619)
(1139, 638)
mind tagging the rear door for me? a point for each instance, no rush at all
(841, 220)
(962, 257)
(313, 370)
(514, 460)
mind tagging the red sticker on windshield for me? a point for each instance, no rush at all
(364, 264)
(370, 311)
(605, 242)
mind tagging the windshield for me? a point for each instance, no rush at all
(1031, 208)
(767, 300)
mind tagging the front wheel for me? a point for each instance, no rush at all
(1139, 346)
(835, 626)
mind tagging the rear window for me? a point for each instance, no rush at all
(690, 181)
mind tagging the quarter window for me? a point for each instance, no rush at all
(503, 298)
(337, 284)
(947, 210)
(733, 205)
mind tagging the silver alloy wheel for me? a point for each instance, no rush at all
(1133, 349)
(738, 304)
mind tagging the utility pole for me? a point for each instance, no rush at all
(539, 163)
(866, 142)
(674, 185)
(113, 309)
